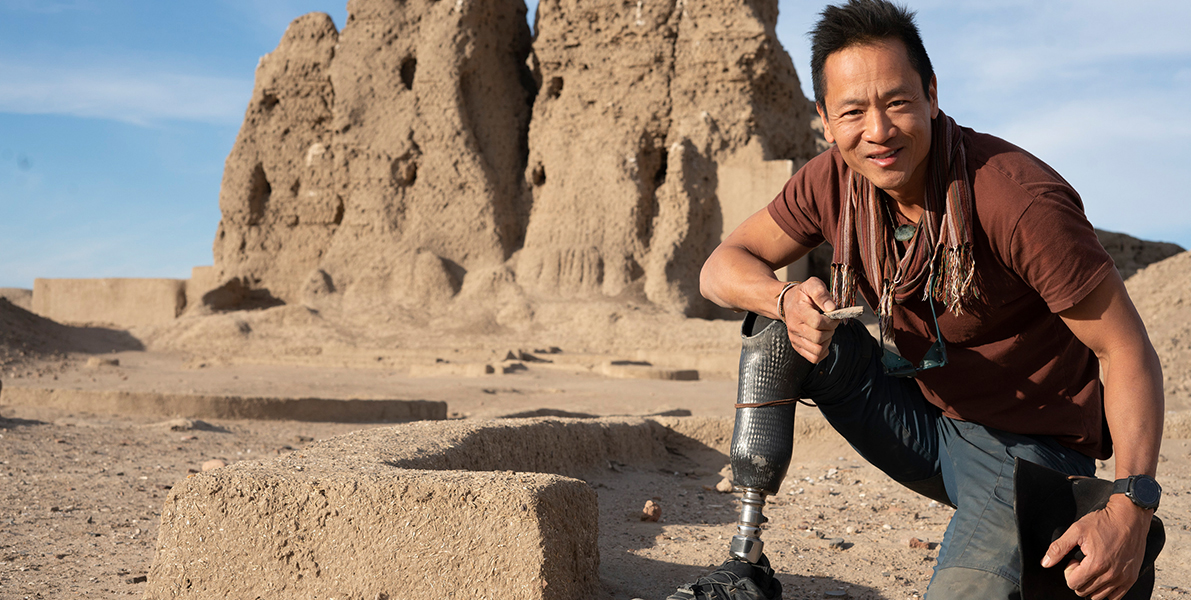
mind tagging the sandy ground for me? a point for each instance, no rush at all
(82, 493)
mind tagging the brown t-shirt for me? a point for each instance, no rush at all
(1012, 362)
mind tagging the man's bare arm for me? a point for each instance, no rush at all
(739, 275)
(1113, 540)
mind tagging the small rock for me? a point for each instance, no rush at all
(96, 362)
(887, 526)
(850, 529)
(920, 544)
(724, 486)
(652, 511)
(137, 579)
(213, 464)
(180, 425)
(836, 543)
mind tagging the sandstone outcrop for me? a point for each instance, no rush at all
(395, 163)
(1131, 254)
(1163, 298)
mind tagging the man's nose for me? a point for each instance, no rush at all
(878, 127)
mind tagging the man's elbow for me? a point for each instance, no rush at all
(706, 278)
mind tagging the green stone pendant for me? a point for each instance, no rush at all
(903, 233)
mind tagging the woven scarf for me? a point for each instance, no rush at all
(940, 251)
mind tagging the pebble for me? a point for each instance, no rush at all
(920, 544)
(837, 543)
(212, 464)
(724, 486)
(180, 424)
(652, 511)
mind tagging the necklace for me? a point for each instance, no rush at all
(901, 233)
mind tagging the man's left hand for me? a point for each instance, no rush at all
(1113, 542)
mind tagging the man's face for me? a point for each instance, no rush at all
(879, 116)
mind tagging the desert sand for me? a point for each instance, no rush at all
(83, 492)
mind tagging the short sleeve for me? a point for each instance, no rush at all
(1055, 249)
(808, 204)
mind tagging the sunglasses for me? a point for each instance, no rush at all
(936, 355)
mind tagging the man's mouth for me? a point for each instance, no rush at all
(884, 159)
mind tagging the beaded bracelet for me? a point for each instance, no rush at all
(781, 299)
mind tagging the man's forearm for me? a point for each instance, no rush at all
(1134, 408)
(734, 278)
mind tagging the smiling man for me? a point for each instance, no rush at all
(984, 272)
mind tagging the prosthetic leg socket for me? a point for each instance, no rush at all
(771, 375)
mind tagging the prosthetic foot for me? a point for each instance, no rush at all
(771, 375)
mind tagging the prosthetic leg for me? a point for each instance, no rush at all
(771, 375)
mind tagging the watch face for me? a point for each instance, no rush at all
(1146, 491)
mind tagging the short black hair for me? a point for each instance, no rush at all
(862, 22)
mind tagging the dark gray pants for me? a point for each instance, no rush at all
(969, 466)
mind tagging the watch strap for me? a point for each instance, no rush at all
(1127, 486)
(1121, 486)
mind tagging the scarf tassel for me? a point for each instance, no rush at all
(952, 278)
(843, 285)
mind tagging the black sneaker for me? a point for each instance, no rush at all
(733, 580)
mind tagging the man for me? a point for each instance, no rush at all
(977, 258)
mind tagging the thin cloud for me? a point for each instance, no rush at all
(273, 16)
(45, 7)
(141, 98)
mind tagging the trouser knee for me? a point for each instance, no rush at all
(959, 583)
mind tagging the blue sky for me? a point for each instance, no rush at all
(116, 115)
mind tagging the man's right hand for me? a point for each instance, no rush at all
(810, 331)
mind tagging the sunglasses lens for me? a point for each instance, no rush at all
(936, 356)
(896, 366)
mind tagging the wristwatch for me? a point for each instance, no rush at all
(1143, 490)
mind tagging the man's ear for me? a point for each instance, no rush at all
(934, 97)
(827, 130)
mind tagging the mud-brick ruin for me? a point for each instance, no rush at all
(435, 154)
